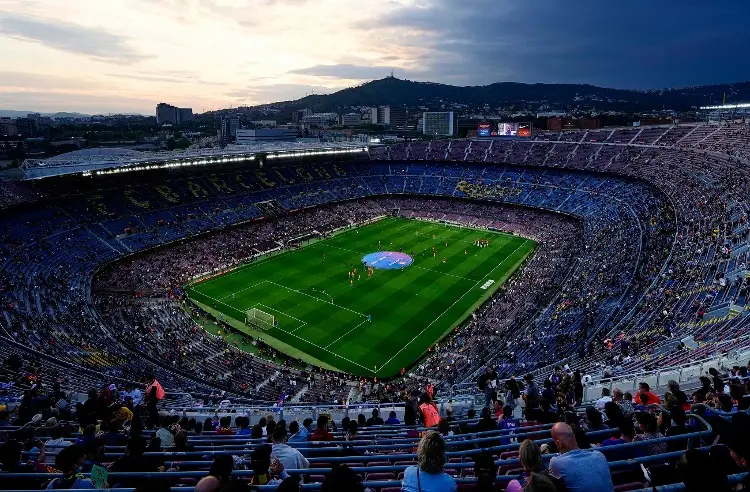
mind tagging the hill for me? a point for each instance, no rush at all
(393, 91)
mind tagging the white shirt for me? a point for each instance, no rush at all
(601, 402)
(289, 457)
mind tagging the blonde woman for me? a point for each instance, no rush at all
(534, 477)
(428, 475)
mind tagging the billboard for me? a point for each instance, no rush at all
(514, 129)
(484, 129)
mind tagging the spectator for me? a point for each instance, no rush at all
(508, 424)
(289, 457)
(486, 421)
(531, 396)
(625, 434)
(132, 461)
(219, 475)
(645, 396)
(624, 401)
(392, 420)
(613, 411)
(533, 471)
(181, 442)
(57, 442)
(342, 479)
(375, 419)
(243, 423)
(428, 475)
(701, 471)
(290, 484)
(430, 412)
(649, 428)
(10, 462)
(265, 467)
(444, 428)
(68, 461)
(300, 434)
(717, 382)
(601, 402)
(579, 470)
(94, 450)
(321, 432)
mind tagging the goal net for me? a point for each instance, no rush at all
(260, 319)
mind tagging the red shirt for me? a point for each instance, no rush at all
(648, 398)
(321, 435)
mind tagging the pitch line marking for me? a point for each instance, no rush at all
(303, 339)
(317, 298)
(304, 323)
(454, 303)
(345, 334)
(243, 290)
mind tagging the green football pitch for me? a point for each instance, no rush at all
(368, 326)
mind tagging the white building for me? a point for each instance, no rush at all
(439, 123)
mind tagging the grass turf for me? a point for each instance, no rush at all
(322, 319)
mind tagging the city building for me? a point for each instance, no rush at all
(439, 123)
(168, 114)
(185, 115)
(321, 120)
(301, 113)
(229, 127)
(25, 127)
(390, 116)
(380, 115)
(8, 127)
(397, 118)
(351, 119)
(246, 137)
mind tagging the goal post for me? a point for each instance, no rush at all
(260, 319)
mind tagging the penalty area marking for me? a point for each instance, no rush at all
(303, 323)
(303, 339)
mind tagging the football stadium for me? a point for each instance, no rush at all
(314, 302)
(344, 314)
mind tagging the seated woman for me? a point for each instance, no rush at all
(428, 475)
(534, 477)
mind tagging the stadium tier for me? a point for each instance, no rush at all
(466, 270)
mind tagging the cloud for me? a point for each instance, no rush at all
(275, 92)
(71, 38)
(345, 71)
(637, 44)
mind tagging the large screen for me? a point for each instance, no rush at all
(484, 129)
(514, 129)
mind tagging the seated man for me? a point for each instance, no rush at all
(580, 470)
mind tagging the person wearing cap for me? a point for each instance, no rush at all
(69, 462)
(287, 455)
(265, 467)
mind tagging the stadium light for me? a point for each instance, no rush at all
(728, 106)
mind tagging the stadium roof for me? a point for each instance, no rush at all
(116, 160)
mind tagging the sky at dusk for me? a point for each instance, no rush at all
(107, 56)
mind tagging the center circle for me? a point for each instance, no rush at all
(387, 260)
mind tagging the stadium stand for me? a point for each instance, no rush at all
(635, 299)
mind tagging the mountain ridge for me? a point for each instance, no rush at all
(394, 91)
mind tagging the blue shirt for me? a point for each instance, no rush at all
(427, 482)
(392, 421)
(300, 436)
(510, 425)
(582, 470)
